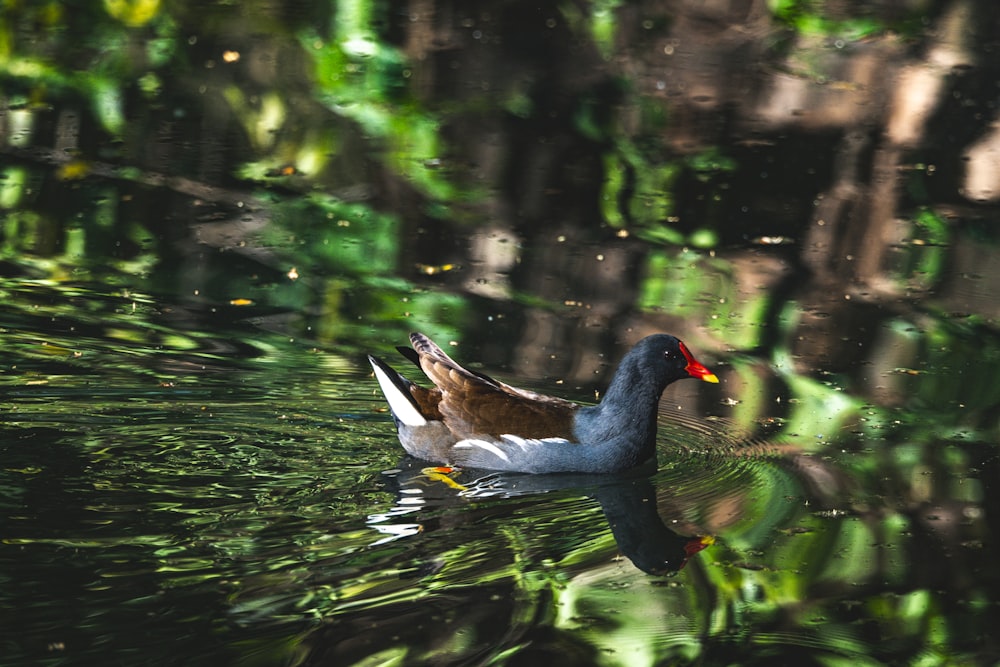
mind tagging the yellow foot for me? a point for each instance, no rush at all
(441, 474)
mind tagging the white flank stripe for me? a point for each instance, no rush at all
(484, 444)
(519, 441)
(399, 403)
(531, 442)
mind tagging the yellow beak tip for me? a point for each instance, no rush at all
(710, 378)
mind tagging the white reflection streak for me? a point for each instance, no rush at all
(395, 531)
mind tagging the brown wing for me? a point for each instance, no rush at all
(428, 400)
(473, 404)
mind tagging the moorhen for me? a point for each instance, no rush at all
(470, 420)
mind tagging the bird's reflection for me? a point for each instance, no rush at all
(659, 518)
(628, 501)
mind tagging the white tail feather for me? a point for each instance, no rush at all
(402, 406)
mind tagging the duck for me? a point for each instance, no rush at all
(471, 420)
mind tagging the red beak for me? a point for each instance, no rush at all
(695, 369)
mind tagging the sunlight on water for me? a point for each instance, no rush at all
(260, 482)
(210, 211)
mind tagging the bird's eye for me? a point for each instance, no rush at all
(667, 354)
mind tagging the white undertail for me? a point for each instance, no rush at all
(402, 405)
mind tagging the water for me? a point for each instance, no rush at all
(209, 214)
(239, 497)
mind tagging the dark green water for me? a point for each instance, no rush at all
(209, 213)
(238, 497)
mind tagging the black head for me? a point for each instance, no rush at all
(669, 359)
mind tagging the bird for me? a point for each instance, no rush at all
(471, 420)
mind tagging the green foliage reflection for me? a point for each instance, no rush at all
(295, 187)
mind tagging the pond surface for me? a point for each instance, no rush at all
(210, 213)
(235, 496)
